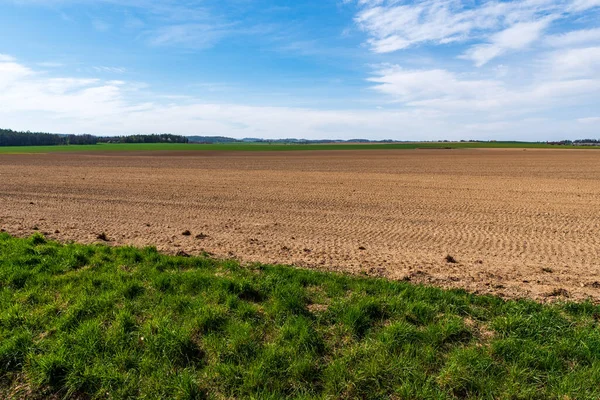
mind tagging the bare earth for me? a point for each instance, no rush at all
(519, 223)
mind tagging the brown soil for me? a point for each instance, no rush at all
(516, 223)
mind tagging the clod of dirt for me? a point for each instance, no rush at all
(380, 272)
(186, 233)
(182, 253)
(559, 292)
(201, 236)
(548, 270)
(450, 259)
(362, 248)
(206, 253)
(102, 236)
(418, 274)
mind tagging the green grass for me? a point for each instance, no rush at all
(272, 147)
(101, 322)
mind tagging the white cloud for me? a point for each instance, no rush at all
(6, 58)
(517, 37)
(579, 62)
(574, 38)
(499, 27)
(392, 25)
(582, 5)
(448, 92)
(589, 120)
(416, 85)
(11, 72)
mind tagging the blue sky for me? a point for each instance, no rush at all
(380, 69)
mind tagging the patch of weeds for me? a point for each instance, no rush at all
(37, 239)
(51, 369)
(420, 313)
(362, 315)
(133, 290)
(468, 372)
(209, 320)
(13, 351)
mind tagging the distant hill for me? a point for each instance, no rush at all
(211, 139)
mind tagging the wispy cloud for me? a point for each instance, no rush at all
(582, 5)
(499, 27)
(446, 91)
(589, 120)
(517, 37)
(6, 58)
(574, 38)
(188, 35)
(190, 24)
(100, 25)
(50, 64)
(577, 62)
(112, 70)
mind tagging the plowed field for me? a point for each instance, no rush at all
(518, 223)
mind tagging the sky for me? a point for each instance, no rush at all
(338, 69)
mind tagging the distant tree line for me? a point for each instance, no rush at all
(578, 142)
(82, 139)
(9, 137)
(596, 141)
(154, 138)
(13, 138)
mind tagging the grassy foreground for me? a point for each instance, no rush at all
(95, 321)
(116, 147)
